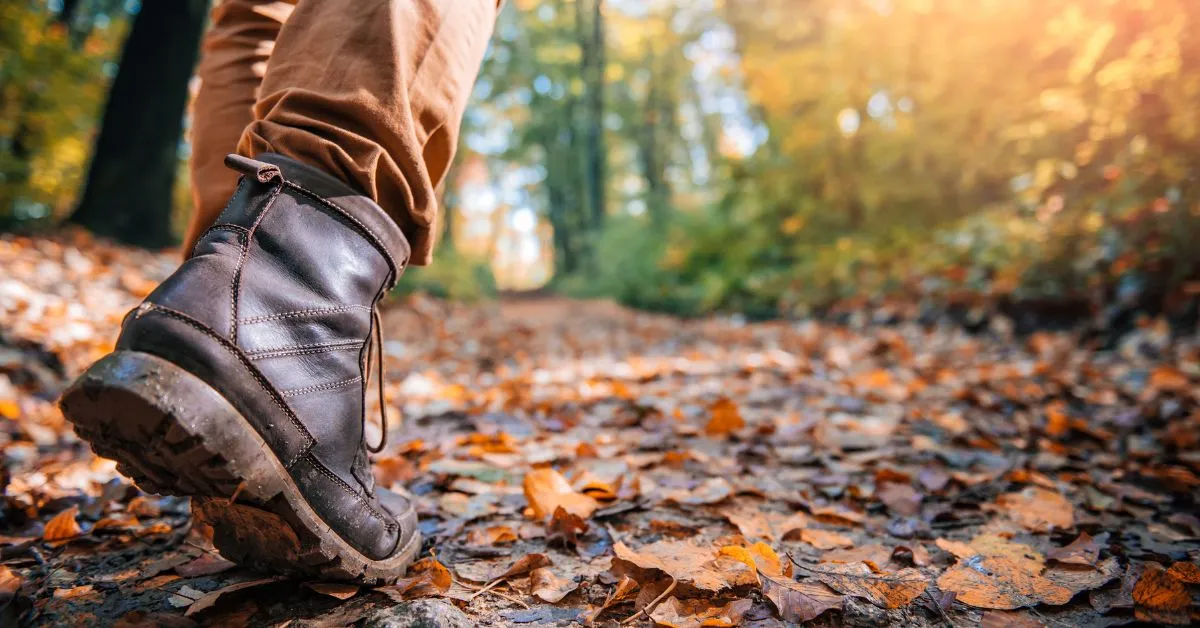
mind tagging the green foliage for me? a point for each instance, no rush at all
(451, 276)
(53, 81)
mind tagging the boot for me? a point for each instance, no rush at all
(241, 380)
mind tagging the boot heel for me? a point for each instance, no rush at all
(168, 430)
(173, 434)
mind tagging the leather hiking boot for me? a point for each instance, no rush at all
(240, 381)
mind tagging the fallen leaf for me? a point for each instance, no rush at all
(1185, 572)
(10, 582)
(1160, 597)
(1038, 509)
(493, 535)
(676, 613)
(566, 526)
(206, 565)
(755, 523)
(838, 515)
(874, 555)
(901, 499)
(1084, 550)
(995, 582)
(524, 565)
(548, 587)
(759, 557)
(710, 491)
(547, 490)
(209, 599)
(63, 526)
(1069, 580)
(625, 587)
(726, 418)
(426, 578)
(825, 539)
(800, 601)
(885, 590)
(185, 596)
(74, 592)
(690, 564)
(338, 590)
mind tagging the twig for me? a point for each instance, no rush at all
(652, 605)
(510, 599)
(488, 587)
(941, 611)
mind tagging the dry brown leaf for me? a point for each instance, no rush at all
(874, 555)
(1160, 597)
(1006, 580)
(492, 535)
(995, 582)
(524, 565)
(676, 613)
(726, 418)
(426, 578)
(1084, 550)
(565, 526)
(838, 515)
(1068, 580)
(206, 565)
(800, 601)
(625, 587)
(885, 590)
(63, 526)
(338, 590)
(10, 583)
(825, 539)
(901, 499)
(209, 599)
(546, 490)
(1038, 509)
(710, 491)
(548, 587)
(755, 523)
(75, 593)
(690, 564)
(1185, 572)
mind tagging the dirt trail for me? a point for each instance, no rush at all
(575, 462)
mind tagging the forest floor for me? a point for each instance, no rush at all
(575, 462)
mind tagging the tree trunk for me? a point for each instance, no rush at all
(129, 185)
(597, 159)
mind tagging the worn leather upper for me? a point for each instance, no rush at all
(274, 309)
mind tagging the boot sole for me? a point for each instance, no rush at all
(173, 434)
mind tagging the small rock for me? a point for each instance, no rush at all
(419, 614)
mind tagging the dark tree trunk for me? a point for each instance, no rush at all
(596, 156)
(129, 185)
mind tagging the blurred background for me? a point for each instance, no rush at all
(888, 158)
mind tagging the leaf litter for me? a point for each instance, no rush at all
(579, 461)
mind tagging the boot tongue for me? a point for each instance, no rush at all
(371, 220)
(362, 470)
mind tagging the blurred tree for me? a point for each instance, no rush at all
(129, 186)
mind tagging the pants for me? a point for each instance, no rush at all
(370, 91)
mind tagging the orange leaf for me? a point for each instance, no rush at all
(1038, 509)
(885, 590)
(824, 539)
(548, 587)
(725, 420)
(63, 526)
(1160, 597)
(546, 490)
